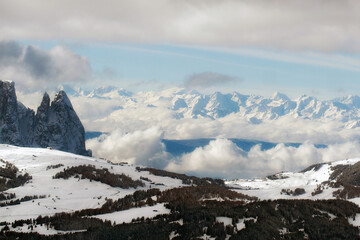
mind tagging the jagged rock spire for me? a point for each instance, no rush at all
(55, 125)
(9, 129)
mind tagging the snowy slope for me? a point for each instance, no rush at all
(65, 195)
(270, 188)
(69, 195)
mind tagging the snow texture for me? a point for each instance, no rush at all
(266, 188)
(75, 194)
(71, 194)
(127, 216)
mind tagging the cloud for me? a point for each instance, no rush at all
(30, 65)
(334, 60)
(316, 25)
(92, 110)
(214, 158)
(139, 147)
(10, 52)
(138, 116)
(222, 158)
(147, 109)
(143, 127)
(208, 79)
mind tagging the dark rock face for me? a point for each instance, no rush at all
(16, 121)
(55, 125)
(26, 124)
(41, 131)
(8, 120)
(58, 126)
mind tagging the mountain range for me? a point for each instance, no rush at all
(254, 108)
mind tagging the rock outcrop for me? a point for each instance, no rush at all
(16, 121)
(55, 125)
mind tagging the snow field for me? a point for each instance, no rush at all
(66, 195)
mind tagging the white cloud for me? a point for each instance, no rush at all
(31, 100)
(138, 141)
(208, 79)
(145, 110)
(284, 129)
(139, 147)
(92, 110)
(316, 25)
(31, 66)
(215, 157)
(339, 61)
(222, 158)
(319, 25)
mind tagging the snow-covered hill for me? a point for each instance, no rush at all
(65, 195)
(191, 104)
(95, 199)
(319, 181)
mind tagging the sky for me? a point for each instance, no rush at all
(256, 47)
(253, 47)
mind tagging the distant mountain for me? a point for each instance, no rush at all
(253, 108)
(105, 92)
(54, 125)
(109, 92)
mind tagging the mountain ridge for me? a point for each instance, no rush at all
(186, 103)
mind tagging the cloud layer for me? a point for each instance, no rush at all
(139, 147)
(30, 65)
(132, 117)
(136, 127)
(208, 79)
(316, 25)
(223, 158)
(220, 158)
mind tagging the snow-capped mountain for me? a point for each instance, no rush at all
(191, 104)
(104, 92)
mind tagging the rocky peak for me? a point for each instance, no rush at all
(43, 109)
(41, 131)
(62, 98)
(65, 130)
(9, 129)
(56, 125)
(8, 102)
